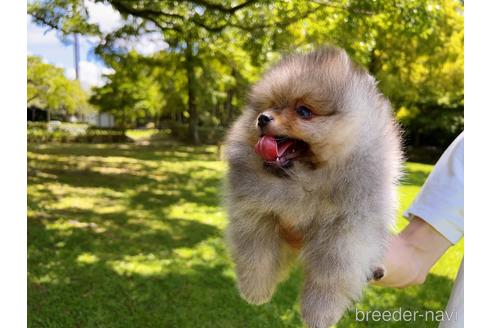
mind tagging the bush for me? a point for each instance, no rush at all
(103, 135)
(37, 125)
(39, 132)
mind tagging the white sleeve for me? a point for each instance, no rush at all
(440, 201)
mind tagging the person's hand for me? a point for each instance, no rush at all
(411, 254)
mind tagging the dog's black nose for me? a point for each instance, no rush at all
(263, 120)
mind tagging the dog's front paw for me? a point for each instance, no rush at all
(255, 293)
(321, 307)
(317, 315)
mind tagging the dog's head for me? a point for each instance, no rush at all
(312, 108)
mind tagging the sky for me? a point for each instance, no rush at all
(43, 42)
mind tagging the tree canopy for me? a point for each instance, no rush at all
(132, 92)
(48, 88)
(215, 49)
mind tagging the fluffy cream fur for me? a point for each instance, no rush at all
(341, 196)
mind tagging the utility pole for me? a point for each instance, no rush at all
(76, 52)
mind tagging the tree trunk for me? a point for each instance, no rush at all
(214, 109)
(228, 106)
(124, 118)
(190, 74)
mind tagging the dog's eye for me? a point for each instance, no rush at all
(304, 112)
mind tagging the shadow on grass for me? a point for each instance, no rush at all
(108, 288)
(131, 236)
(187, 292)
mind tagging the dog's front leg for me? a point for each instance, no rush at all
(255, 247)
(337, 262)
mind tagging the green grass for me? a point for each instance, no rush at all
(131, 236)
(142, 134)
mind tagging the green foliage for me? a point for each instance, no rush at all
(103, 135)
(132, 92)
(216, 50)
(413, 48)
(40, 132)
(47, 87)
(66, 16)
(132, 236)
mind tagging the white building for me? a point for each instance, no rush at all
(102, 120)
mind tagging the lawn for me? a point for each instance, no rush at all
(131, 236)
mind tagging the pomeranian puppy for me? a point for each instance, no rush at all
(313, 164)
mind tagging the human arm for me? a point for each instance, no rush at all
(436, 222)
(411, 254)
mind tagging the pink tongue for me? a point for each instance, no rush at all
(268, 148)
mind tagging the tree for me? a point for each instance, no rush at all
(47, 87)
(413, 48)
(187, 27)
(216, 49)
(132, 92)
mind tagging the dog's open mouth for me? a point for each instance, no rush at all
(280, 151)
